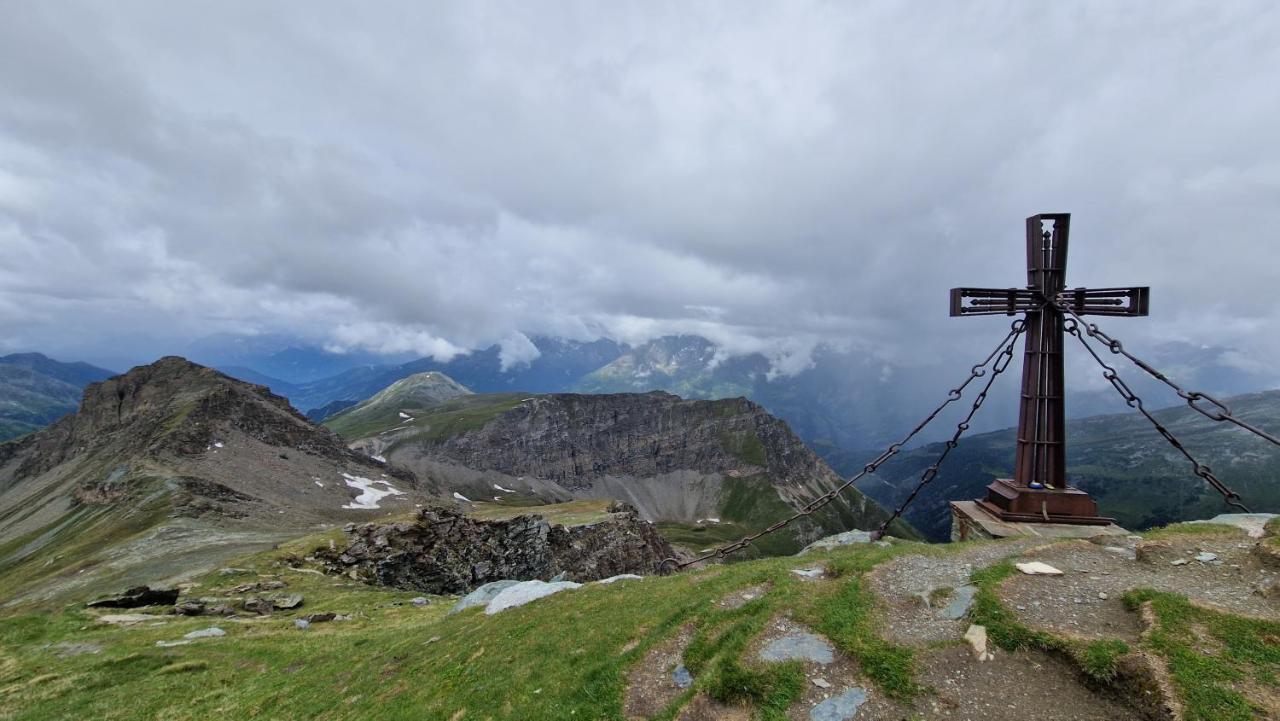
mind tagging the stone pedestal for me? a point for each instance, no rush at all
(971, 521)
(1010, 501)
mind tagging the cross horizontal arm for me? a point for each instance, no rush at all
(1107, 301)
(993, 301)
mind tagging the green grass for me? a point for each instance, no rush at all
(847, 617)
(397, 661)
(745, 446)
(1175, 530)
(572, 513)
(1213, 657)
(433, 425)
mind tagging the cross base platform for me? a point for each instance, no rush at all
(1011, 502)
(971, 521)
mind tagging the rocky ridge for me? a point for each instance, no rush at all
(675, 460)
(445, 552)
(173, 464)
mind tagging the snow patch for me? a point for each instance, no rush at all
(378, 458)
(461, 497)
(318, 483)
(406, 416)
(496, 487)
(369, 496)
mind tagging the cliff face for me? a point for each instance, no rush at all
(577, 439)
(445, 552)
(676, 460)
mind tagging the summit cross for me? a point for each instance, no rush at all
(1038, 491)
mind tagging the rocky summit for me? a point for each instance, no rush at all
(169, 468)
(445, 552)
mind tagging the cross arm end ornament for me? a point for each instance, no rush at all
(1133, 301)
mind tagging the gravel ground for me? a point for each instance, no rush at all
(1085, 600)
(1012, 687)
(902, 583)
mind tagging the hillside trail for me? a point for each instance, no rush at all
(924, 603)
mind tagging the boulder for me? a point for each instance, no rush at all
(260, 606)
(138, 597)
(320, 617)
(482, 596)
(189, 608)
(524, 592)
(848, 538)
(288, 602)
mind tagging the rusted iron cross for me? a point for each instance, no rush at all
(1038, 490)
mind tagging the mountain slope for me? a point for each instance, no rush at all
(559, 365)
(169, 468)
(36, 390)
(710, 469)
(396, 403)
(1133, 473)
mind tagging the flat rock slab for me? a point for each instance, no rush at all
(129, 619)
(482, 595)
(621, 577)
(840, 708)
(848, 538)
(959, 604)
(1037, 568)
(681, 677)
(70, 649)
(524, 592)
(1252, 523)
(810, 573)
(799, 647)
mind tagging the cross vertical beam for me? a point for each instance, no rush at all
(1042, 453)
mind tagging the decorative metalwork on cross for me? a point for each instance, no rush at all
(1038, 490)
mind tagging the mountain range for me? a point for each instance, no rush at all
(174, 467)
(845, 401)
(1129, 469)
(36, 390)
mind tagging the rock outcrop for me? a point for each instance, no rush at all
(445, 552)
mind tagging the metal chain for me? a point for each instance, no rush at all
(931, 472)
(1222, 412)
(1015, 329)
(1232, 498)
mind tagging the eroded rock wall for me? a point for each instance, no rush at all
(445, 552)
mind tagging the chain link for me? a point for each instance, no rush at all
(1216, 410)
(931, 472)
(1015, 329)
(1072, 326)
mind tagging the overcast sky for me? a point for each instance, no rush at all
(430, 178)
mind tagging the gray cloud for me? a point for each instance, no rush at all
(771, 176)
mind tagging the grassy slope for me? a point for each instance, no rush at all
(432, 425)
(398, 661)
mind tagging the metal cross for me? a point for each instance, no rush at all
(1038, 490)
